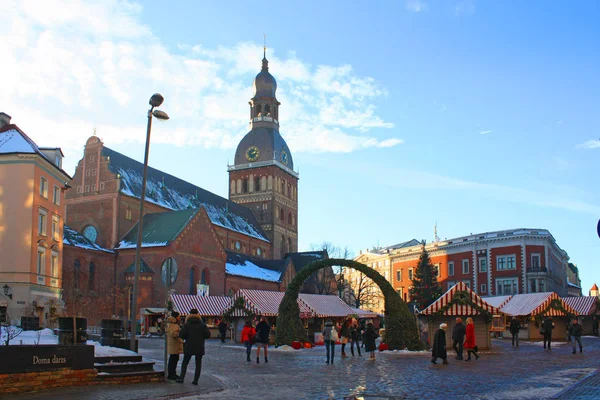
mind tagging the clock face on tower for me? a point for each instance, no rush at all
(284, 157)
(252, 153)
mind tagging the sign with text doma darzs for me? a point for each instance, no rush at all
(31, 358)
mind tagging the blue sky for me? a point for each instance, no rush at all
(478, 115)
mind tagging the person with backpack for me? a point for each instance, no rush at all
(330, 336)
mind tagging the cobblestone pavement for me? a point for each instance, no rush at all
(527, 372)
(587, 388)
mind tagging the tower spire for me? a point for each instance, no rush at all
(265, 62)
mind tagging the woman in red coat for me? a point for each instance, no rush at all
(470, 345)
(248, 334)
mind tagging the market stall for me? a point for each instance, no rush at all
(460, 301)
(587, 308)
(210, 308)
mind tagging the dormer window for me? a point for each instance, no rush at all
(268, 110)
(258, 110)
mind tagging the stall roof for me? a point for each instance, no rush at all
(325, 306)
(208, 306)
(266, 303)
(584, 305)
(497, 301)
(364, 313)
(533, 304)
(457, 309)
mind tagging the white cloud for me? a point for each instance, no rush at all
(94, 64)
(590, 144)
(415, 5)
(484, 132)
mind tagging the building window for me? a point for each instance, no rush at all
(42, 222)
(92, 276)
(128, 214)
(93, 187)
(465, 266)
(44, 188)
(238, 245)
(436, 270)
(192, 282)
(542, 285)
(507, 286)
(91, 233)
(467, 284)
(87, 188)
(483, 288)
(78, 189)
(257, 187)
(399, 291)
(56, 195)
(94, 172)
(169, 271)
(399, 275)
(450, 268)
(482, 264)
(506, 262)
(55, 228)
(532, 286)
(535, 261)
(41, 260)
(92, 158)
(281, 215)
(410, 274)
(54, 264)
(87, 172)
(258, 251)
(450, 285)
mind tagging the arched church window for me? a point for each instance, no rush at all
(258, 111)
(233, 187)
(276, 112)
(76, 273)
(92, 276)
(281, 215)
(270, 183)
(245, 186)
(204, 278)
(289, 191)
(168, 271)
(257, 187)
(290, 249)
(290, 218)
(267, 110)
(192, 282)
(263, 183)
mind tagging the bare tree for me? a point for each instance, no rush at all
(10, 332)
(331, 280)
(363, 292)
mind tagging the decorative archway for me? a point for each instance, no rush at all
(400, 325)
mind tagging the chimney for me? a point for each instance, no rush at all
(4, 119)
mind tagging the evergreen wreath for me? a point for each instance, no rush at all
(400, 325)
(238, 304)
(554, 304)
(462, 298)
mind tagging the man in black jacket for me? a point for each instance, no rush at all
(575, 331)
(515, 327)
(458, 337)
(194, 332)
(547, 326)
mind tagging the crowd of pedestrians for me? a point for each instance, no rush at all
(352, 334)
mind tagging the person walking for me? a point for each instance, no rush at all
(194, 332)
(546, 330)
(470, 345)
(458, 338)
(354, 338)
(222, 330)
(329, 337)
(595, 326)
(263, 331)
(248, 333)
(174, 345)
(438, 349)
(575, 331)
(515, 327)
(370, 336)
(345, 336)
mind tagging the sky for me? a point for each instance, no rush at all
(475, 115)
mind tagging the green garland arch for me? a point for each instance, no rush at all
(400, 325)
(238, 304)
(462, 298)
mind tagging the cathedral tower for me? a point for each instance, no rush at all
(263, 177)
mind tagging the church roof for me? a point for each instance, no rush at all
(144, 268)
(73, 238)
(176, 194)
(265, 84)
(256, 268)
(594, 287)
(159, 229)
(302, 259)
(271, 146)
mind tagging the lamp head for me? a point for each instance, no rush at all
(156, 100)
(160, 115)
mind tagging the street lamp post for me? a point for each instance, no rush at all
(155, 101)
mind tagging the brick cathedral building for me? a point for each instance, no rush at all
(192, 239)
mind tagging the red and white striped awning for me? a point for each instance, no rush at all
(325, 306)
(533, 304)
(457, 309)
(266, 303)
(208, 306)
(584, 305)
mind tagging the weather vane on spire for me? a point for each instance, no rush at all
(265, 44)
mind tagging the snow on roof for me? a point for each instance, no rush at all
(250, 270)
(73, 238)
(173, 193)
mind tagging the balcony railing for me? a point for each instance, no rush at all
(537, 269)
